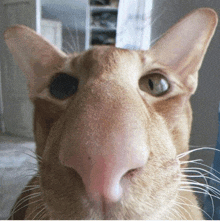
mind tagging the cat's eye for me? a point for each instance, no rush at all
(63, 86)
(155, 84)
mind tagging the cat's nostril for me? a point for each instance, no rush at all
(114, 191)
(130, 173)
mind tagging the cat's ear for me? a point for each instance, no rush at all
(36, 57)
(184, 45)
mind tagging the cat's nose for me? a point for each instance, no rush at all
(103, 179)
(105, 173)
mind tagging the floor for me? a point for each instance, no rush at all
(17, 165)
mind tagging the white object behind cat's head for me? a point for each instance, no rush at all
(110, 139)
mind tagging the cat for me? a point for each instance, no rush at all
(112, 125)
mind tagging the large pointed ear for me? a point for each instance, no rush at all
(183, 46)
(36, 57)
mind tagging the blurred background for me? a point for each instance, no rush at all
(77, 25)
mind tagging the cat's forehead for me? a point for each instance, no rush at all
(106, 54)
(107, 59)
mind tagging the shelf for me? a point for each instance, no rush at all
(100, 29)
(103, 9)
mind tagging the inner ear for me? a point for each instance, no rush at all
(184, 45)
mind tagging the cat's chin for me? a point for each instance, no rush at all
(101, 212)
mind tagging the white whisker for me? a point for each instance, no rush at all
(180, 205)
(191, 151)
(43, 215)
(205, 191)
(191, 161)
(15, 211)
(155, 39)
(77, 35)
(215, 191)
(38, 158)
(36, 208)
(201, 184)
(196, 146)
(191, 204)
(179, 213)
(31, 188)
(201, 169)
(210, 168)
(158, 16)
(70, 46)
(190, 190)
(34, 185)
(65, 50)
(26, 198)
(39, 211)
(152, 23)
(74, 47)
(35, 154)
(201, 191)
(189, 170)
(202, 176)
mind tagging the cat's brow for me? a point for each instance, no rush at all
(102, 60)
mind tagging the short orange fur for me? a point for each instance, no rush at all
(111, 112)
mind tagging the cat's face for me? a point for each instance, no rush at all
(110, 145)
(110, 134)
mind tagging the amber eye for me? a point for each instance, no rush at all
(63, 86)
(155, 84)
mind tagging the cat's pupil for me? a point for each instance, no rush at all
(151, 84)
(63, 86)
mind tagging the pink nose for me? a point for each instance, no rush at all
(102, 168)
(103, 178)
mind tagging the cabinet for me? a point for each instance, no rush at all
(103, 22)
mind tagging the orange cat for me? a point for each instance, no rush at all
(111, 125)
